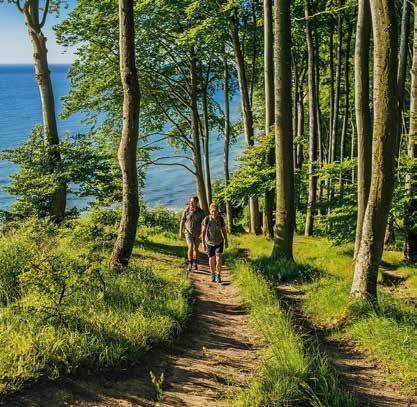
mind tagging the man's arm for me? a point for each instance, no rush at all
(182, 223)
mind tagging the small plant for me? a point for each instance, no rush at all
(157, 382)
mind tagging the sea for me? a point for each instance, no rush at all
(20, 111)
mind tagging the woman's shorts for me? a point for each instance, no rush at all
(214, 250)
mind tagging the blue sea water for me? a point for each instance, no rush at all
(20, 111)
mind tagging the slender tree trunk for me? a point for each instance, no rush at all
(285, 213)
(402, 65)
(352, 147)
(268, 224)
(300, 133)
(229, 214)
(202, 192)
(312, 154)
(128, 143)
(206, 144)
(346, 112)
(43, 77)
(385, 134)
(255, 224)
(335, 121)
(363, 113)
(411, 209)
(331, 98)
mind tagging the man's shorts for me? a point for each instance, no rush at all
(192, 240)
(214, 250)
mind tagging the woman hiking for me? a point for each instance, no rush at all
(214, 241)
(190, 224)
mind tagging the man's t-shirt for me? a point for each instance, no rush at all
(193, 219)
(214, 235)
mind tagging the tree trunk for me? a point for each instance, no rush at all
(363, 113)
(206, 144)
(312, 151)
(43, 77)
(229, 214)
(346, 112)
(385, 134)
(335, 121)
(411, 208)
(255, 224)
(268, 224)
(285, 214)
(201, 187)
(402, 65)
(128, 143)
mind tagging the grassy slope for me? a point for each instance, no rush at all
(290, 373)
(146, 305)
(324, 271)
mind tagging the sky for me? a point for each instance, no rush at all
(15, 47)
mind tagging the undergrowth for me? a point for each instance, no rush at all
(62, 308)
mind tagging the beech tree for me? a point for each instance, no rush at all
(35, 16)
(128, 143)
(385, 134)
(285, 213)
(411, 208)
(363, 112)
(312, 150)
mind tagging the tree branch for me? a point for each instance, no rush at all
(45, 14)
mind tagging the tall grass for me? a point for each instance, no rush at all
(324, 272)
(71, 311)
(290, 373)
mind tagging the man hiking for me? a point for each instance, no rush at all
(214, 241)
(190, 224)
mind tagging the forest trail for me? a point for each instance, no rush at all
(361, 375)
(215, 356)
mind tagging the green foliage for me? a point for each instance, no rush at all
(253, 176)
(159, 219)
(72, 312)
(87, 164)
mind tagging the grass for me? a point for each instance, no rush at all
(69, 311)
(324, 272)
(290, 372)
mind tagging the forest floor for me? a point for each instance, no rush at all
(214, 358)
(360, 373)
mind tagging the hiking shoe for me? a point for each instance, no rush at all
(218, 278)
(213, 278)
(190, 264)
(195, 265)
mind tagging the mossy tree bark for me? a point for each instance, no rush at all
(123, 246)
(35, 21)
(268, 223)
(385, 134)
(363, 113)
(285, 212)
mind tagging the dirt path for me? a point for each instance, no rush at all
(357, 371)
(217, 355)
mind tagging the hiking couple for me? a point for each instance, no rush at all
(209, 230)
